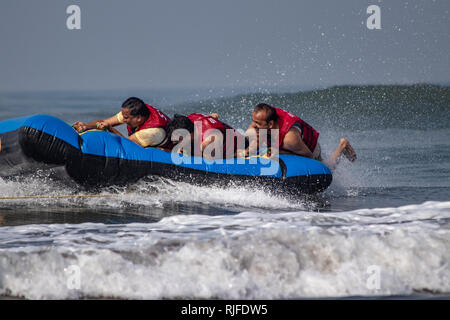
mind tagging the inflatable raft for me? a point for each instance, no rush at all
(98, 158)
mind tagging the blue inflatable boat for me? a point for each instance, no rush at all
(98, 158)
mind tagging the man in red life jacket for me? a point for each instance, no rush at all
(207, 136)
(295, 136)
(146, 125)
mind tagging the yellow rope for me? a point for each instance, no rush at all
(89, 131)
(57, 196)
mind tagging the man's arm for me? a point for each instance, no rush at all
(293, 142)
(150, 137)
(253, 146)
(109, 123)
(206, 143)
(96, 124)
(133, 138)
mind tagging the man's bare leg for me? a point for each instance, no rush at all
(344, 148)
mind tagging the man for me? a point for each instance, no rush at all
(295, 136)
(202, 131)
(146, 125)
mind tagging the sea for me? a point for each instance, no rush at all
(380, 231)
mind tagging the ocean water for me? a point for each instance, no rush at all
(381, 230)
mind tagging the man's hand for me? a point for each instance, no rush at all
(79, 126)
(103, 125)
(242, 153)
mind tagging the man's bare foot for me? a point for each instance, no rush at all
(347, 150)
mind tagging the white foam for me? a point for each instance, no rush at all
(249, 255)
(142, 194)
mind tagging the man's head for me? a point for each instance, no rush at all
(179, 122)
(264, 117)
(135, 112)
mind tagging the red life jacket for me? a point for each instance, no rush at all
(156, 119)
(205, 123)
(286, 120)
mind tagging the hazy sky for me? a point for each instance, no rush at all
(227, 43)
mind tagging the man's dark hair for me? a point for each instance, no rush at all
(137, 107)
(179, 122)
(271, 113)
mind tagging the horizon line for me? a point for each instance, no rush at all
(278, 89)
